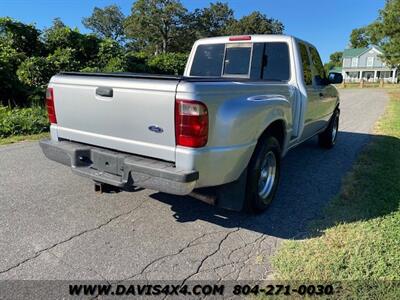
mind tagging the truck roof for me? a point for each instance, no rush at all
(245, 38)
(252, 38)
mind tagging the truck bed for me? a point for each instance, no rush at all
(117, 111)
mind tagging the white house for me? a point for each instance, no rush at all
(366, 63)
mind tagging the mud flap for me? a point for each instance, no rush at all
(230, 196)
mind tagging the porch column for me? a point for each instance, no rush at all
(394, 76)
(360, 75)
(375, 75)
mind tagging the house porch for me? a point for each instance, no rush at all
(352, 75)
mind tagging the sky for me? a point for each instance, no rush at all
(326, 24)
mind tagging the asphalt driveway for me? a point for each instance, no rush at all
(54, 226)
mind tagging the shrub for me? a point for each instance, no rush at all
(60, 36)
(137, 62)
(91, 70)
(11, 89)
(63, 60)
(22, 121)
(35, 71)
(110, 58)
(115, 64)
(168, 63)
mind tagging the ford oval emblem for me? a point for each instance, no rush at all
(155, 129)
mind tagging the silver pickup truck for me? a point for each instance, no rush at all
(221, 129)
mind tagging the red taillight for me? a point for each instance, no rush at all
(51, 111)
(240, 38)
(191, 123)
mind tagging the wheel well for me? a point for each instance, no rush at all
(277, 130)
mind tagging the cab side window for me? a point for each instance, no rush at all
(276, 62)
(306, 64)
(318, 71)
(270, 62)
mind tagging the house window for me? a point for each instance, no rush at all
(370, 61)
(354, 62)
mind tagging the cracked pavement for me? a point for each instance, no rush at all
(54, 226)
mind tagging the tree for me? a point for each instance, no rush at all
(63, 60)
(387, 30)
(11, 90)
(17, 42)
(359, 38)
(60, 36)
(111, 56)
(22, 37)
(35, 72)
(255, 23)
(107, 22)
(335, 60)
(154, 23)
(212, 20)
(206, 22)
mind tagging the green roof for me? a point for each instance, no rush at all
(354, 52)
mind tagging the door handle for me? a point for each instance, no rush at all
(104, 91)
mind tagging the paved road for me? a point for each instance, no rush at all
(53, 225)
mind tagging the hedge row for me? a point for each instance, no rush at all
(22, 121)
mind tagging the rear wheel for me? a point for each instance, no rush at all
(263, 175)
(327, 139)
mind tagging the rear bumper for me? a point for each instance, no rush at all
(120, 169)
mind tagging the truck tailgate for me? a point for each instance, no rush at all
(134, 115)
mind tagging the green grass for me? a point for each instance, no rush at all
(22, 138)
(358, 238)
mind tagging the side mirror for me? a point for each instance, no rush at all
(335, 78)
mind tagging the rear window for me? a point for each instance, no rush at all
(207, 61)
(237, 59)
(256, 61)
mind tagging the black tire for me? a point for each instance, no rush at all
(327, 139)
(268, 147)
